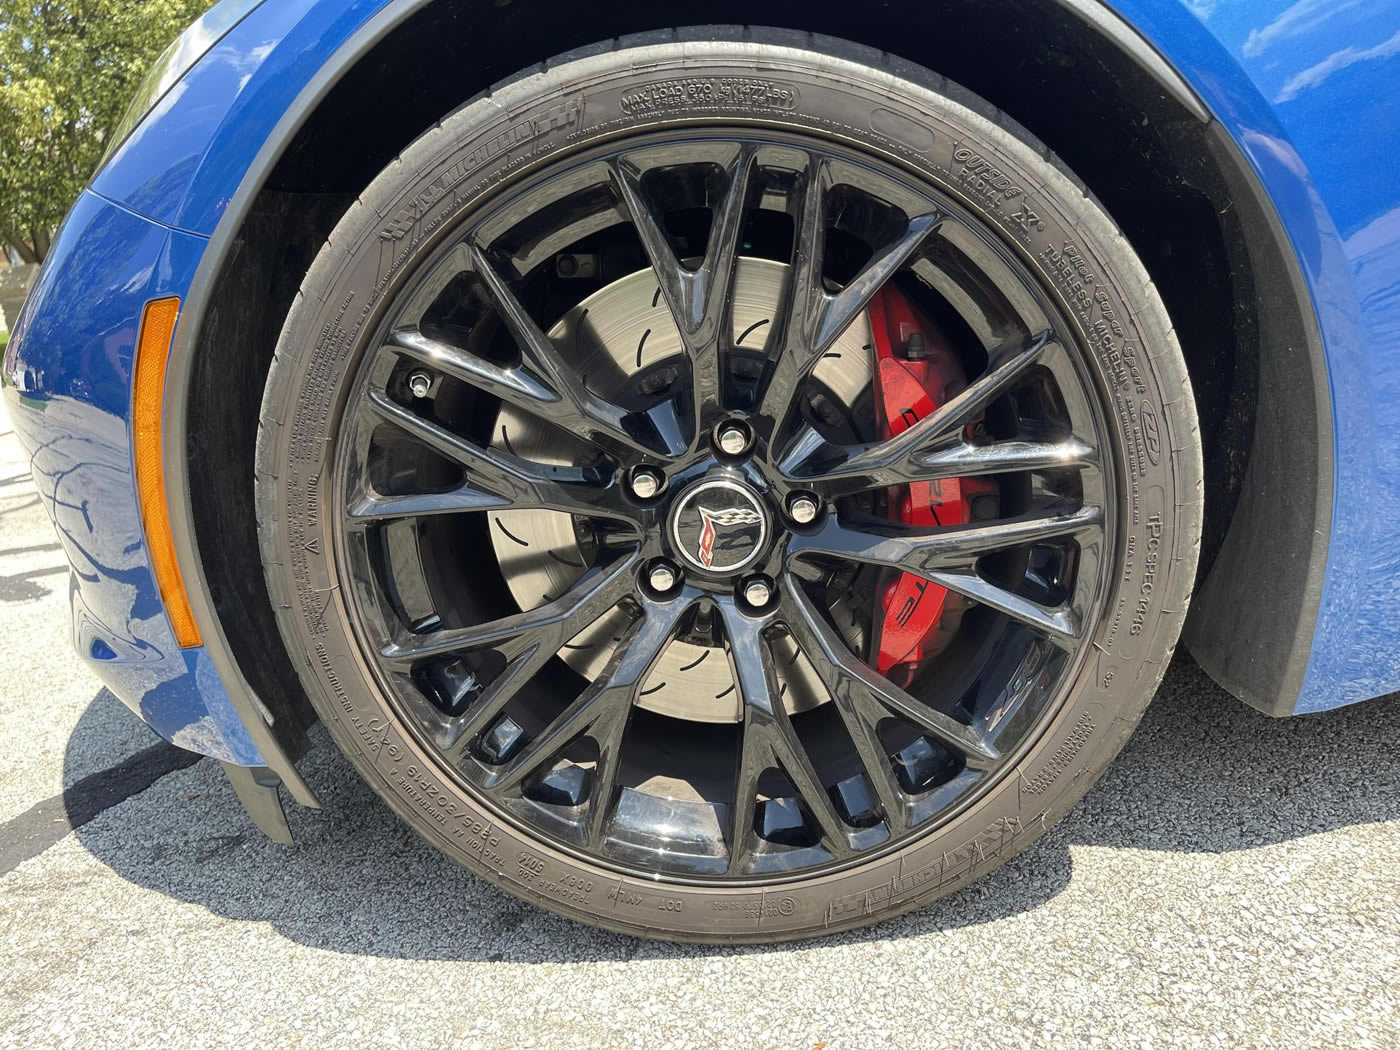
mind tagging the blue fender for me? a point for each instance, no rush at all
(1301, 89)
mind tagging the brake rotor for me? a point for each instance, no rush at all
(618, 332)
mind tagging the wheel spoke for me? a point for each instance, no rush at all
(863, 697)
(607, 732)
(812, 317)
(372, 507)
(934, 446)
(699, 299)
(547, 627)
(858, 711)
(1003, 457)
(755, 756)
(836, 312)
(603, 709)
(527, 641)
(802, 307)
(948, 556)
(1064, 624)
(520, 483)
(570, 405)
(960, 459)
(923, 551)
(514, 385)
(769, 740)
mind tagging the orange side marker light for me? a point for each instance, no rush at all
(148, 411)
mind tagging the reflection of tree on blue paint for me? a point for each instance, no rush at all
(77, 363)
(91, 357)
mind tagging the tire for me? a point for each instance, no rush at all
(911, 120)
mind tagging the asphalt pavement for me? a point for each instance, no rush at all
(1233, 881)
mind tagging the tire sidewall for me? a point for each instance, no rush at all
(906, 116)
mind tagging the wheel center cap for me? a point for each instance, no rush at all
(719, 526)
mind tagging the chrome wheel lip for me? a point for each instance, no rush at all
(783, 481)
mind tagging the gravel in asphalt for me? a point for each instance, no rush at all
(1232, 881)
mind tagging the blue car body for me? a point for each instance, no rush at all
(1308, 91)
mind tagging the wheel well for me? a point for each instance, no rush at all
(1159, 170)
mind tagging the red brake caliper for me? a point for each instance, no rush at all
(915, 374)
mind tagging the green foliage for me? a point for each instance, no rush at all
(68, 69)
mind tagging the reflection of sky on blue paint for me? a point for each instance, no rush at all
(1332, 70)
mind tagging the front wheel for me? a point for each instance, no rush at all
(727, 491)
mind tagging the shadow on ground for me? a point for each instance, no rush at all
(1203, 774)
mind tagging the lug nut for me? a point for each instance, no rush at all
(646, 483)
(419, 383)
(803, 509)
(758, 592)
(663, 577)
(733, 439)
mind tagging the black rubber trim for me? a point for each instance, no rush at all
(1252, 622)
(1276, 694)
(256, 788)
(252, 711)
(1114, 28)
(1118, 31)
(1253, 619)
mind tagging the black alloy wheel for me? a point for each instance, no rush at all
(594, 508)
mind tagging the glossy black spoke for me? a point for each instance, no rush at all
(948, 556)
(513, 385)
(545, 628)
(924, 551)
(864, 698)
(936, 446)
(1064, 624)
(836, 312)
(603, 710)
(813, 317)
(570, 405)
(769, 741)
(805, 302)
(699, 299)
(520, 483)
(527, 641)
(860, 713)
(372, 507)
(802, 307)
(967, 459)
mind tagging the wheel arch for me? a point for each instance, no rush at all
(1178, 182)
